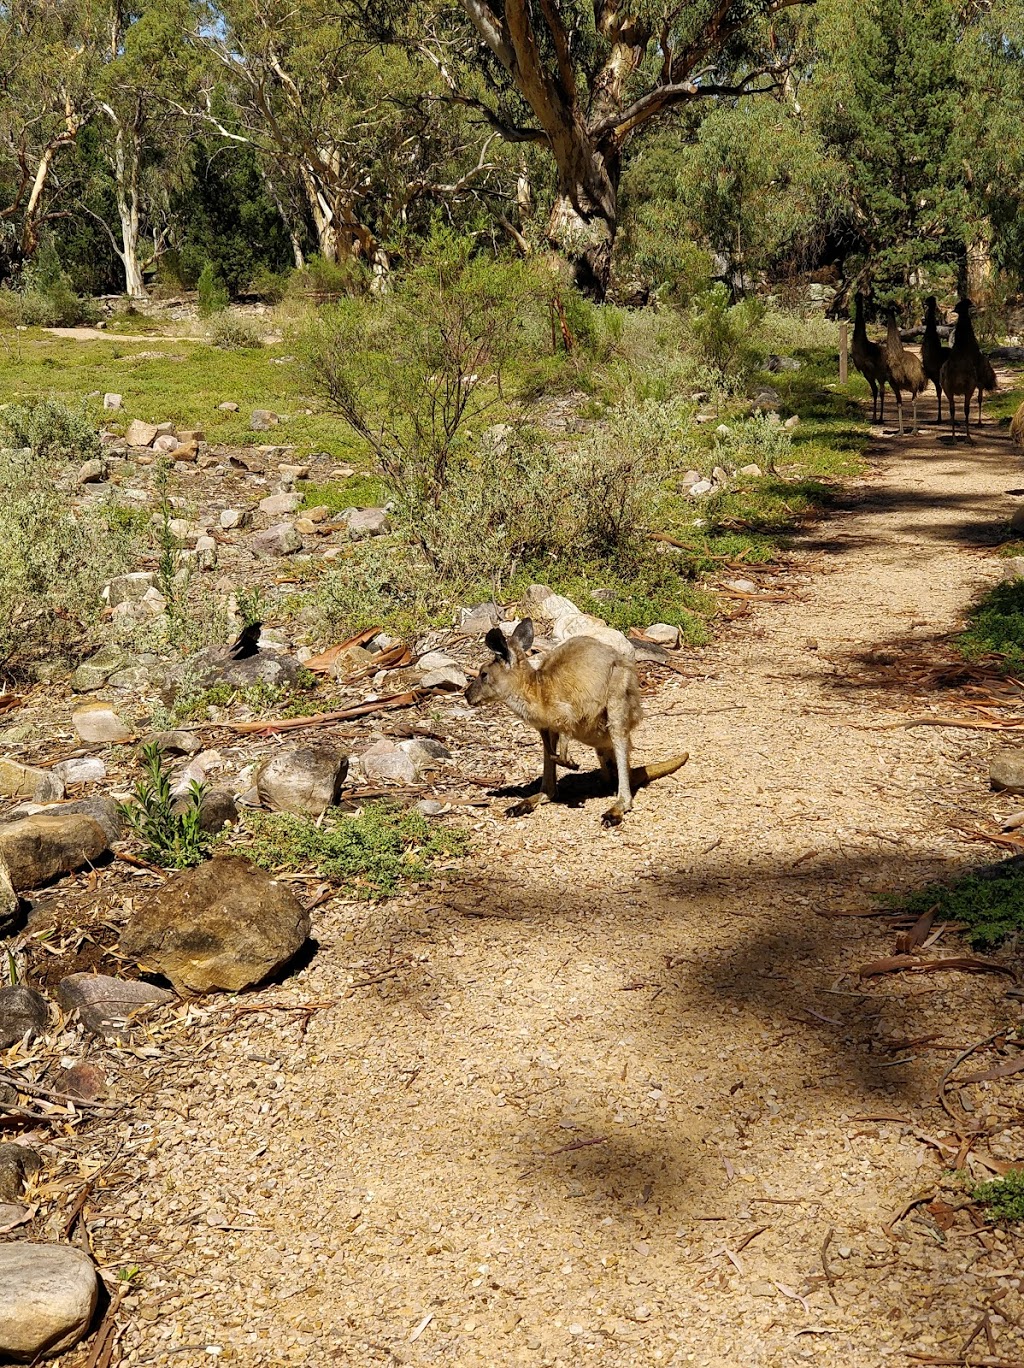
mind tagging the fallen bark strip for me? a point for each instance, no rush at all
(402, 700)
(960, 1361)
(968, 964)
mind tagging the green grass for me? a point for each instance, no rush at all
(186, 391)
(988, 903)
(358, 491)
(371, 855)
(996, 625)
(1003, 1198)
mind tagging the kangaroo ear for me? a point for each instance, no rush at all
(495, 639)
(523, 635)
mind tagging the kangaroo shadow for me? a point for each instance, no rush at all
(576, 787)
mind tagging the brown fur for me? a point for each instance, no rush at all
(1017, 428)
(960, 373)
(933, 354)
(583, 690)
(869, 358)
(906, 373)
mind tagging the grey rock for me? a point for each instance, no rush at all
(1006, 771)
(225, 925)
(99, 723)
(774, 364)
(21, 1009)
(95, 672)
(792, 422)
(1013, 568)
(478, 620)
(112, 401)
(129, 588)
(752, 470)
(228, 406)
(136, 678)
(37, 848)
(385, 761)
(720, 475)
(101, 809)
(217, 810)
(302, 779)
(234, 517)
(141, 434)
(262, 419)
(25, 781)
(213, 665)
(424, 753)
(173, 742)
(82, 770)
(165, 444)
(692, 477)
(447, 677)
(49, 1296)
(701, 487)
(436, 660)
(108, 1006)
(17, 1164)
(663, 634)
(92, 472)
(764, 400)
(10, 903)
(722, 430)
(365, 522)
(206, 553)
(275, 505)
(279, 540)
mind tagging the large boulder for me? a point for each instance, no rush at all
(225, 925)
(108, 1005)
(22, 1010)
(37, 848)
(213, 665)
(99, 723)
(302, 779)
(1006, 771)
(49, 1294)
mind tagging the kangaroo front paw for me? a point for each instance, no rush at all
(614, 816)
(527, 806)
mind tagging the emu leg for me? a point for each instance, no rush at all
(874, 400)
(899, 411)
(967, 417)
(938, 401)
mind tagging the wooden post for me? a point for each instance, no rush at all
(844, 350)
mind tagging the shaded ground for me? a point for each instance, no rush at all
(621, 1096)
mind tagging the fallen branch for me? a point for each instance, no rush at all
(944, 1080)
(967, 964)
(267, 727)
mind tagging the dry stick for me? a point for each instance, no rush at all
(403, 700)
(979, 1045)
(36, 1090)
(103, 1346)
(86, 1191)
(937, 1361)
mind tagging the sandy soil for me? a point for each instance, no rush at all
(620, 1097)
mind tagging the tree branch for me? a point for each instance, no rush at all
(492, 31)
(664, 97)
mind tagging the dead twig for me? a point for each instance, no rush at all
(944, 1080)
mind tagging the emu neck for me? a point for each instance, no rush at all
(859, 327)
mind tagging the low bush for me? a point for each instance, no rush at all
(235, 333)
(53, 430)
(1003, 1198)
(759, 440)
(171, 838)
(724, 333)
(212, 292)
(54, 561)
(996, 625)
(988, 903)
(371, 855)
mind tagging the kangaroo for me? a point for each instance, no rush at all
(583, 690)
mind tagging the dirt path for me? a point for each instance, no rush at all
(610, 1093)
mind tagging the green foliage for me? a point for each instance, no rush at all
(174, 839)
(54, 561)
(46, 298)
(358, 491)
(996, 625)
(988, 902)
(760, 440)
(234, 333)
(1003, 1198)
(373, 854)
(722, 332)
(212, 292)
(54, 431)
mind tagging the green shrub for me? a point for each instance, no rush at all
(988, 903)
(169, 838)
(54, 561)
(235, 334)
(759, 440)
(996, 624)
(723, 332)
(212, 292)
(270, 286)
(1003, 1198)
(329, 280)
(46, 298)
(54, 431)
(372, 855)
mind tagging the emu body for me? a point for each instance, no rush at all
(582, 690)
(869, 358)
(933, 354)
(906, 373)
(960, 372)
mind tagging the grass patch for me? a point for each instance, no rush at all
(988, 903)
(1003, 1198)
(374, 854)
(358, 491)
(283, 701)
(996, 625)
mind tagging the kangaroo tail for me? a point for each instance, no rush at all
(641, 775)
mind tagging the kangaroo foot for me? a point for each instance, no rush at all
(527, 806)
(614, 815)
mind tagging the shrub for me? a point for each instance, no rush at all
(54, 431)
(329, 280)
(759, 440)
(54, 561)
(722, 332)
(1003, 1198)
(170, 838)
(996, 624)
(234, 333)
(213, 293)
(270, 286)
(372, 854)
(988, 903)
(46, 298)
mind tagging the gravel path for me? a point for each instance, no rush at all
(606, 1096)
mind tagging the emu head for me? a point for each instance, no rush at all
(497, 680)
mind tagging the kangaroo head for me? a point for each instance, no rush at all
(501, 679)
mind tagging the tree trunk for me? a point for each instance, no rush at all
(126, 193)
(34, 207)
(582, 228)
